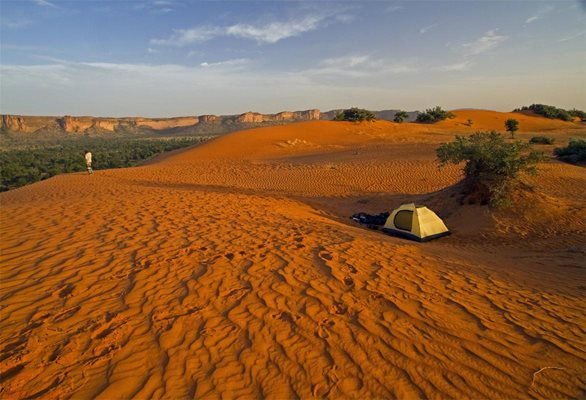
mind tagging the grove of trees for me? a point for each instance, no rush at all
(355, 114)
(400, 116)
(554, 112)
(22, 166)
(432, 115)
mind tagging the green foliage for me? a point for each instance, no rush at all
(542, 140)
(400, 116)
(339, 116)
(19, 167)
(548, 111)
(432, 115)
(492, 164)
(574, 153)
(512, 125)
(577, 113)
(355, 115)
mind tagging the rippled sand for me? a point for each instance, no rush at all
(232, 270)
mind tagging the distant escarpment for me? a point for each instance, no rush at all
(70, 126)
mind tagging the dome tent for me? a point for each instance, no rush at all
(415, 222)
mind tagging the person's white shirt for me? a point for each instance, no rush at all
(88, 157)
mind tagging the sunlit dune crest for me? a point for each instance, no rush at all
(232, 269)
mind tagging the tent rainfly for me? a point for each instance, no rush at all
(415, 222)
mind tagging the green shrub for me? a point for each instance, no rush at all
(400, 116)
(550, 112)
(492, 165)
(355, 114)
(432, 115)
(542, 140)
(578, 113)
(574, 153)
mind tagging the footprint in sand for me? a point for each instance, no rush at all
(322, 333)
(207, 332)
(331, 375)
(66, 291)
(338, 308)
(348, 281)
(322, 330)
(320, 391)
(325, 256)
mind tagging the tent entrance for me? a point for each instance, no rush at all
(404, 220)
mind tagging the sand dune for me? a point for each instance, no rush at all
(232, 270)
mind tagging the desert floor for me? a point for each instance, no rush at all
(233, 270)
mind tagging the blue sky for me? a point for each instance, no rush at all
(161, 58)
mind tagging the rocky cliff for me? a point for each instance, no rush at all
(252, 117)
(18, 124)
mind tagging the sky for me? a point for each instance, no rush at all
(163, 58)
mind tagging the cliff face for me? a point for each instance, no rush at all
(83, 124)
(307, 115)
(18, 124)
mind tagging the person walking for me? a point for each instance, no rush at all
(88, 162)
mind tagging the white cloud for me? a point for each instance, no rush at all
(393, 8)
(462, 66)
(184, 37)
(425, 29)
(9, 23)
(269, 33)
(359, 66)
(234, 63)
(275, 31)
(345, 18)
(571, 37)
(157, 6)
(45, 3)
(489, 41)
(345, 62)
(542, 12)
(152, 51)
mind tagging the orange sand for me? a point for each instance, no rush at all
(232, 270)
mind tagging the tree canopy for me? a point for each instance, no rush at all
(400, 116)
(432, 115)
(553, 112)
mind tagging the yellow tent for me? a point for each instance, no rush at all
(415, 222)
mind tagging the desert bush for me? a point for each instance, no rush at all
(574, 153)
(548, 111)
(541, 140)
(432, 115)
(355, 114)
(512, 125)
(493, 165)
(577, 113)
(400, 116)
